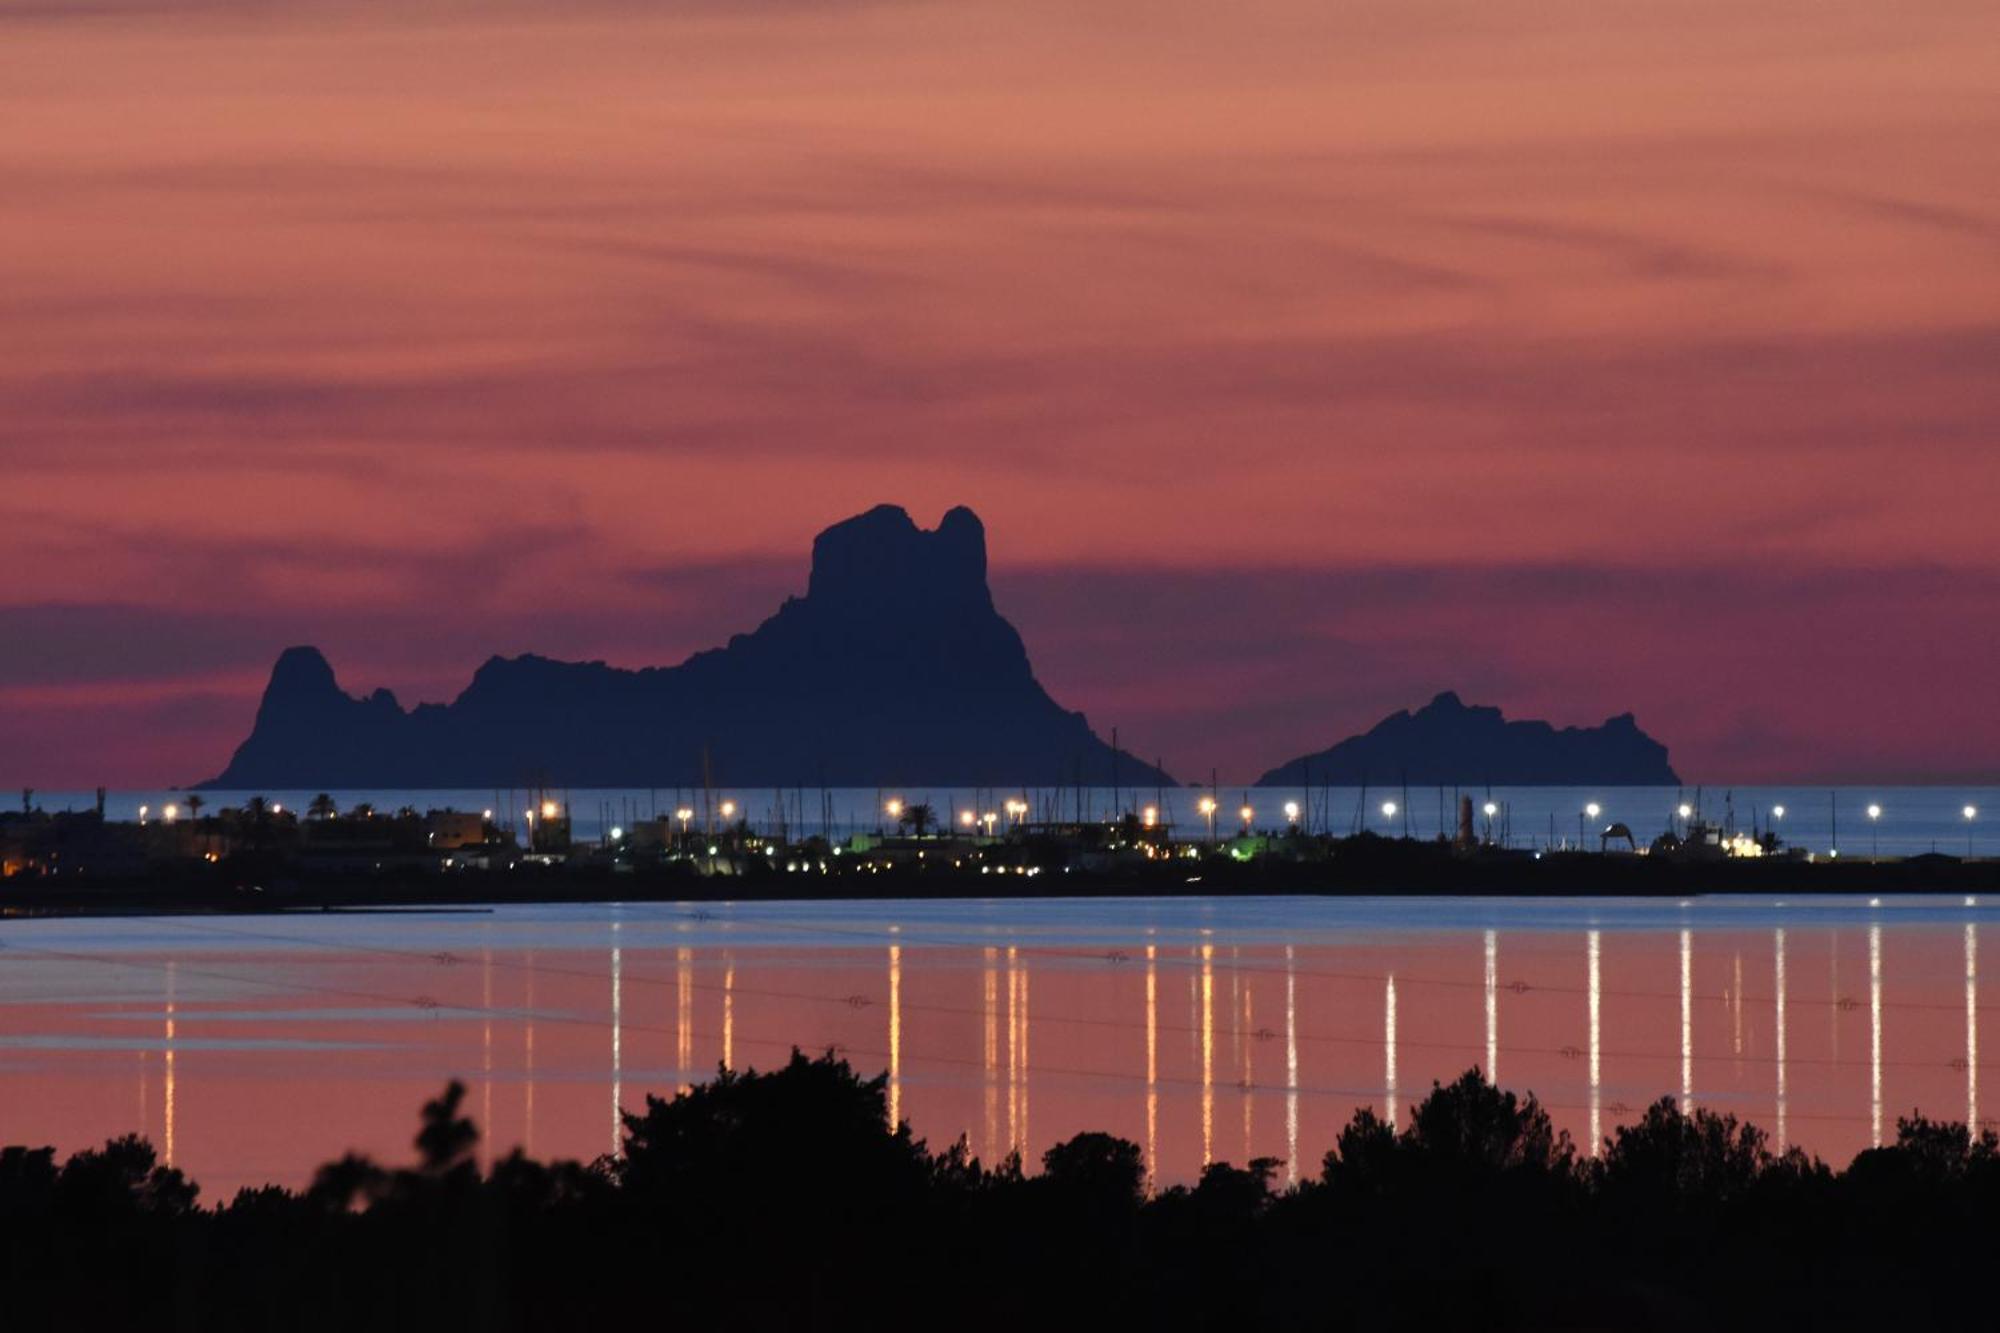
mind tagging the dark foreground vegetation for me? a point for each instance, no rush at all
(781, 1200)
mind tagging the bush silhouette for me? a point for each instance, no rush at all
(784, 1199)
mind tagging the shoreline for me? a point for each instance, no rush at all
(1393, 870)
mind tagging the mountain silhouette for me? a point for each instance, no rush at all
(1448, 742)
(894, 668)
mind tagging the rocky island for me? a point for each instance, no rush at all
(893, 667)
(1448, 741)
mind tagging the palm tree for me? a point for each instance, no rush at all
(194, 804)
(917, 819)
(322, 807)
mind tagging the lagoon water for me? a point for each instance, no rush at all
(249, 1049)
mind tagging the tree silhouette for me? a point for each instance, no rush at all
(1101, 1168)
(446, 1140)
(785, 1199)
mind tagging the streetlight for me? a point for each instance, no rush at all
(1016, 810)
(895, 807)
(1591, 812)
(617, 833)
(171, 813)
(1388, 809)
(1292, 813)
(1491, 808)
(988, 819)
(967, 818)
(1874, 836)
(729, 809)
(684, 814)
(1150, 816)
(1245, 815)
(549, 810)
(142, 813)
(1207, 807)
(1971, 813)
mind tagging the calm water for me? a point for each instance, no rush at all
(250, 1049)
(1912, 819)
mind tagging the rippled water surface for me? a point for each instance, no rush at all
(252, 1048)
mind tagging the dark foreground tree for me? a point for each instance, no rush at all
(785, 1199)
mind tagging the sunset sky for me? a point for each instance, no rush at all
(1304, 357)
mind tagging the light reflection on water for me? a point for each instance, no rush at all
(251, 1049)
